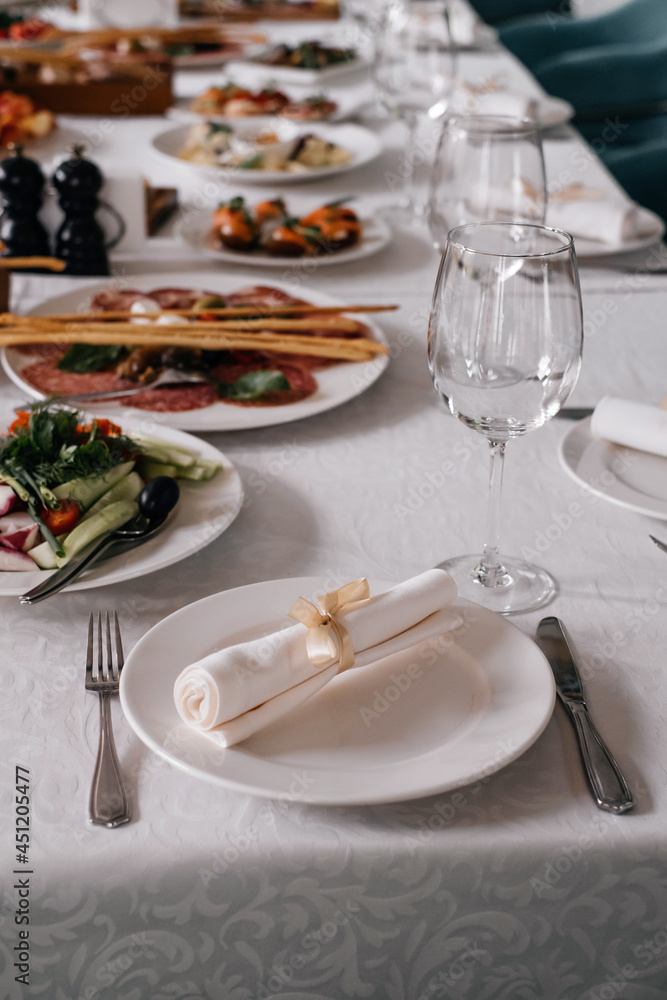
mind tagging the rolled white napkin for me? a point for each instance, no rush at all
(635, 425)
(601, 219)
(232, 693)
(497, 102)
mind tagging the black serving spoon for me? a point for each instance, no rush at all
(156, 500)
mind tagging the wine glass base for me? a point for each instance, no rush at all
(523, 588)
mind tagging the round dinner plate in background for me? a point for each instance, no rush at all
(364, 145)
(468, 707)
(336, 385)
(195, 227)
(632, 479)
(203, 512)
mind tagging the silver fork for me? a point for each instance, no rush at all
(109, 804)
(170, 376)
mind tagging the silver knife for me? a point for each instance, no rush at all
(609, 787)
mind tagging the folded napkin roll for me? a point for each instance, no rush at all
(601, 219)
(232, 693)
(635, 425)
(498, 102)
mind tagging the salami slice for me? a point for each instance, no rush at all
(178, 298)
(174, 399)
(112, 300)
(47, 378)
(262, 295)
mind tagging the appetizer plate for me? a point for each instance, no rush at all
(291, 74)
(632, 479)
(363, 144)
(195, 227)
(474, 705)
(204, 511)
(336, 384)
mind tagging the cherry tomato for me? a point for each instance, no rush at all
(62, 519)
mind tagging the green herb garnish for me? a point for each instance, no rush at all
(84, 358)
(252, 386)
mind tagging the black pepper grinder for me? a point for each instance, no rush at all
(21, 193)
(80, 239)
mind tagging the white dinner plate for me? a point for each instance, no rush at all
(632, 479)
(181, 111)
(336, 384)
(292, 74)
(363, 144)
(195, 227)
(376, 734)
(203, 512)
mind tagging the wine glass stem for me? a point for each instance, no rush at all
(491, 572)
(407, 168)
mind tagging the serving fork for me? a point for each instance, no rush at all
(109, 804)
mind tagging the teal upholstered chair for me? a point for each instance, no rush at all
(534, 39)
(619, 91)
(642, 171)
(498, 11)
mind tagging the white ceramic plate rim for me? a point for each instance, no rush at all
(521, 703)
(364, 144)
(213, 505)
(193, 231)
(336, 385)
(571, 451)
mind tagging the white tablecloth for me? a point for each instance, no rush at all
(516, 886)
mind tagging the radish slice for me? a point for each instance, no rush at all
(7, 499)
(18, 531)
(13, 561)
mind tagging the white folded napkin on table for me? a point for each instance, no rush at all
(635, 425)
(595, 217)
(473, 101)
(232, 693)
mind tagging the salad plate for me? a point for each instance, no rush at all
(336, 385)
(195, 228)
(475, 703)
(632, 479)
(213, 504)
(363, 145)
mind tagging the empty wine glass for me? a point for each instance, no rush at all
(413, 71)
(487, 168)
(504, 351)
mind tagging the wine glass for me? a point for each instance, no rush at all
(504, 351)
(413, 72)
(487, 168)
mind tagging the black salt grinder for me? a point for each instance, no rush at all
(21, 193)
(80, 240)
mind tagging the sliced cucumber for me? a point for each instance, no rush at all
(127, 488)
(150, 469)
(167, 454)
(203, 470)
(108, 519)
(87, 491)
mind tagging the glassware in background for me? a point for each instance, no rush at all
(414, 74)
(487, 168)
(504, 351)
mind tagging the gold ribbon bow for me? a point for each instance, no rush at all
(327, 641)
